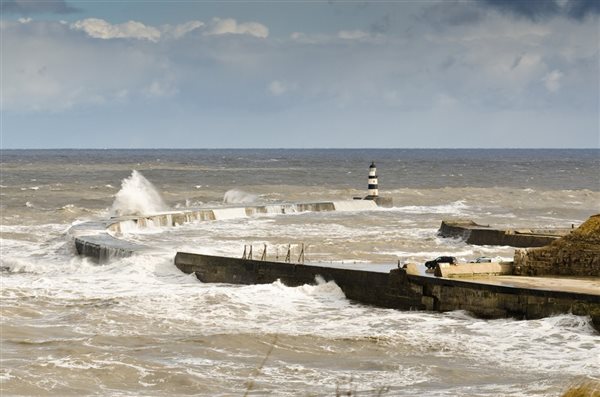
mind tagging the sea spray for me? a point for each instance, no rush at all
(235, 196)
(137, 196)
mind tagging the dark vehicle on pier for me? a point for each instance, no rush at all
(440, 259)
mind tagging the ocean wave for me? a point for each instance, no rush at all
(455, 208)
(137, 196)
(236, 196)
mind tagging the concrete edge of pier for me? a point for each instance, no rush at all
(476, 234)
(99, 240)
(400, 290)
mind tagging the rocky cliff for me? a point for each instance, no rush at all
(576, 254)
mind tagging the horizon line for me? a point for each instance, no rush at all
(304, 148)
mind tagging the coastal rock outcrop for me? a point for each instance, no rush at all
(576, 254)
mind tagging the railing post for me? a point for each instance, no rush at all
(264, 254)
(301, 256)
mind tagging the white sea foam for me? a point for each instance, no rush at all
(229, 213)
(236, 196)
(354, 205)
(137, 197)
(455, 208)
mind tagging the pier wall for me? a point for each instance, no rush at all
(575, 254)
(397, 289)
(473, 233)
(99, 240)
(374, 288)
(498, 301)
(103, 248)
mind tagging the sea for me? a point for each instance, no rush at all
(137, 326)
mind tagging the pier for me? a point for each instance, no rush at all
(99, 239)
(473, 233)
(394, 287)
(487, 290)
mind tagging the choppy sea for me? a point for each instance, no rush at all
(139, 327)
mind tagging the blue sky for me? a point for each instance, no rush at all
(191, 74)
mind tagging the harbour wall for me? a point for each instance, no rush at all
(398, 289)
(498, 301)
(375, 288)
(473, 233)
(393, 289)
(99, 240)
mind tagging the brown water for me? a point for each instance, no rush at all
(137, 326)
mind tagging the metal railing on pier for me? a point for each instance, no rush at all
(248, 252)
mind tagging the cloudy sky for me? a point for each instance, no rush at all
(237, 74)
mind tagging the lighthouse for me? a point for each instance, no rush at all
(373, 189)
(373, 186)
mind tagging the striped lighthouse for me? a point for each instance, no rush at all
(373, 188)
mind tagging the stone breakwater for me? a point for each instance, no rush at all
(99, 239)
(488, 297)
(476, 234)
(576, 254)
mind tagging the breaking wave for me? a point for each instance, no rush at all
(235, 196)
(137, 196)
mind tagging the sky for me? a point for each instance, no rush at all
(300, 74)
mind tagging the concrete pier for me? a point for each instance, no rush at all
(473, 233)
(493, 297)
(473, 269)
(358, 283)
(99, 240)
(488, 294)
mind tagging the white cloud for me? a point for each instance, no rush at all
(443, 100)
(24, 20)
(181, 30)
(343, 35)
(301, 37)
(231, 26)
(101, 29)
(159, 89)
(48, 67)
(352, 34)
(552, 80)
(277, 88)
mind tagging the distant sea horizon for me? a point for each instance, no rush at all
(302, 148)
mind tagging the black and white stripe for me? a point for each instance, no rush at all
(373, 188)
